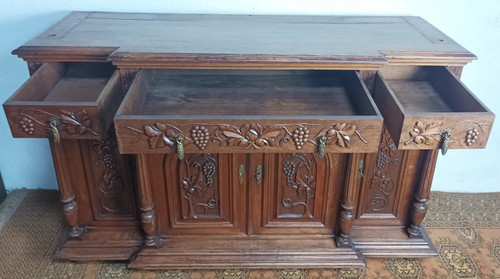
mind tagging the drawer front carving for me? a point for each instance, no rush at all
(247, 137)
(34, 122)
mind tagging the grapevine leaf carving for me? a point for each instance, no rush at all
(424, 133)
(341, 134)
(251, 135)
(77, 122)
(160, 135)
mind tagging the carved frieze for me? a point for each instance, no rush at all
(247, 136)
(69, 122)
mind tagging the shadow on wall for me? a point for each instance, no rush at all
(2, 189)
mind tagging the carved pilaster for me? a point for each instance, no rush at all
(348, 200)
(70, 206)
(148, 215)
(427, 164)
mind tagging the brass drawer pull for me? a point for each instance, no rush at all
(179, 148)
(321, 146)
(446, 140)
(258, 174)
(53, 123)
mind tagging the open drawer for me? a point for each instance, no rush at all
(74, 100)
(230, 111)
(428, 107)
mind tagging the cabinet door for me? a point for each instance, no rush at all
(298, 193)
(204, 194)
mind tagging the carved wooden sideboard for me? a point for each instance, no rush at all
(245, 141)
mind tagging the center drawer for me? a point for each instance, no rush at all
(232, 111)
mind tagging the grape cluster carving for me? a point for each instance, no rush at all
(471, 136)
(200, 136)
(300, 136)
(27, 125)
(208, 173)
(289, 170)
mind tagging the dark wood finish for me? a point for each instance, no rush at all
(427, 165)
(247, 111)
(373, 242)
(420, 103)
(81, 97)
(310, 251)
(255, 98)
(243, 41)
(354, 173)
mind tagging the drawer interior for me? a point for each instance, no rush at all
(254, 93)
(420, 104)
(420, 89)
(67, 82)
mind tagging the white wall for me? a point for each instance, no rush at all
(474, 24)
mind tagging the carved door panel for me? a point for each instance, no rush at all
(388, 181)
(298, 193)
(204, 194)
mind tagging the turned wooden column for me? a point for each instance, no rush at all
(427, 165)
(70, 206)
(148, 216)
(350, 193)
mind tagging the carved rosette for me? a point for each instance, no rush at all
(248, 136)
(299, 187)
(69, 122)
(382, 183)
(200, 188)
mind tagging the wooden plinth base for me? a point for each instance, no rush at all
(247, 252)
(101, 244)
(391, 242)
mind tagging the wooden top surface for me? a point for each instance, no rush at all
(244, 41)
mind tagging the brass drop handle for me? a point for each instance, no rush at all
(241, 173)
(258, 174)
(53, 123)
(321, 146)
(179, 148)
(445, 141)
